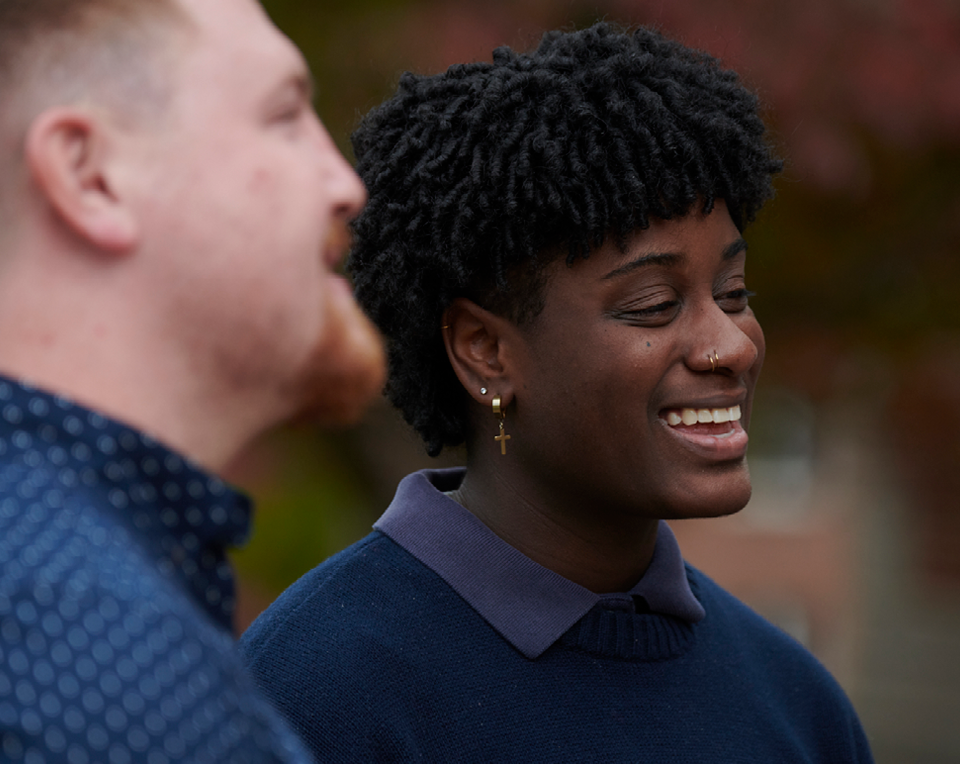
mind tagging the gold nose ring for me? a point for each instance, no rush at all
(714, 360)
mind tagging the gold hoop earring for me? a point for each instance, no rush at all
(500, 412)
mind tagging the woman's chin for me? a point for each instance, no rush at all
(719, 498)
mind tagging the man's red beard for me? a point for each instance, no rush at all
(347, 369)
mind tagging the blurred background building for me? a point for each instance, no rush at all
(852, 540)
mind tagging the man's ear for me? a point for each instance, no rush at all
(477, 346)
(69, 152)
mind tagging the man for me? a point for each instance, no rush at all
(171, 212)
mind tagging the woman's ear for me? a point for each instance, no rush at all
(477, 346)
(69, 152)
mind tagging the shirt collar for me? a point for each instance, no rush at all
(185, 516)
(528, 604)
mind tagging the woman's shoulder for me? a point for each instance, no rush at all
(368, 588)
(731, 618)
(762, 648)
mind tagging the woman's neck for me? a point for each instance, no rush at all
(600, 550)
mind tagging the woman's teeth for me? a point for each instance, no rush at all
(695, 416)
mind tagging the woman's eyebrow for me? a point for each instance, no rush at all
(654, 258)
(734, 249)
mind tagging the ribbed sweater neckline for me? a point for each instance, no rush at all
(631, 636)
(628, 636)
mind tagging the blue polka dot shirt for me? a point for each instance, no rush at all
(116, 599)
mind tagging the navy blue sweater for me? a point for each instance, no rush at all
(374, 657)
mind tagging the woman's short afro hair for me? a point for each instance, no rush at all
(481, 175)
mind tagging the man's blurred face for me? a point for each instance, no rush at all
(245, 201)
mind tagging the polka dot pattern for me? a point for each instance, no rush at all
(116, 599)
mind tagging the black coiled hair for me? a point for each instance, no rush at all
(480, 176)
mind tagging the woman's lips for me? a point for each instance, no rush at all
(692, 416)
(714, 433)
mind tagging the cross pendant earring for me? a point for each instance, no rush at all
(502, 438)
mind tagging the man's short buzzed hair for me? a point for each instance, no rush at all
(51, 49)
(79, 52)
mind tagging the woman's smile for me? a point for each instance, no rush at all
(714, 439)
(635, 382)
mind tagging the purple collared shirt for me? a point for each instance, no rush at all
(528, 604)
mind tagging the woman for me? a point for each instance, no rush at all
(553, 250)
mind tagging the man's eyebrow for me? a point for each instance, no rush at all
(304, 82)
(654, 258)
(298, 82)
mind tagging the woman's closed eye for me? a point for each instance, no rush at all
(655, 314)
(735, 301)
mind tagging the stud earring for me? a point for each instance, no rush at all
(483, 391)
(714, 361)
(502, 438)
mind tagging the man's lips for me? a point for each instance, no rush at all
(336, 245)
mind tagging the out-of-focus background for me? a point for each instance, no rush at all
(852, 539)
